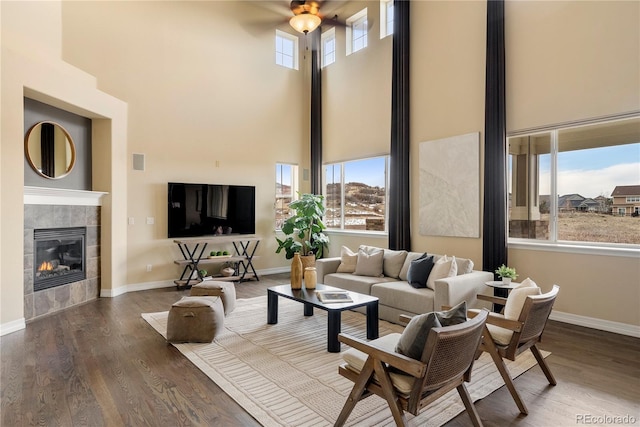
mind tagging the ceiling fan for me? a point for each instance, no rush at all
(306, 15)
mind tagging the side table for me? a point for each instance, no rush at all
(500, 289)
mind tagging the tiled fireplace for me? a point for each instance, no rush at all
(61, 257)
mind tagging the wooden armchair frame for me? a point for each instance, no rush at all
(527, 332)
(446, 363)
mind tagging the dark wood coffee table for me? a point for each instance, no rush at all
(334, 310)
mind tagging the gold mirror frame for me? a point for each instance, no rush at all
(62, 151)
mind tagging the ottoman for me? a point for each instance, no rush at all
(225, 290)
(195, 319)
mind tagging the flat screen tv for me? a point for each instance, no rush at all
(209, 209)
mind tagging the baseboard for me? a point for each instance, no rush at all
(593, 323)
(276, 270)
(13, 326)
(134, 287)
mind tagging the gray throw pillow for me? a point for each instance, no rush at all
(369, 264)
(453, 316)
(419, 271)
(414, 337)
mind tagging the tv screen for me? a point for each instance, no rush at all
(208, 209)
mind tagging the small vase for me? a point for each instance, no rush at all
(310, 277)
(506, 280)
(296, 272)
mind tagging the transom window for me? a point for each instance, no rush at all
(286, 190)
(576, 184)
(357, 32)
(329, 47)
(286, 50)
(356, 194)
(386, 18)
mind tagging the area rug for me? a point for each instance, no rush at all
(283, 375)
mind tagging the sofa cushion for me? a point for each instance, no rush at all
(348, 261)
(443, 267)
(404, 297)
(351, 282)
(407, 263)
(369, 264)
(419, 271)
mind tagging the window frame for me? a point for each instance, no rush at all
(356, 19)
(386, 25)
(294, 189)
(295, 57)
(326, 36)
(553, 244)
(343, 171)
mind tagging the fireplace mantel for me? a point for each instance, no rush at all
(61, 196)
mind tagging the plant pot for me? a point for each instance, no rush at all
(506, 280)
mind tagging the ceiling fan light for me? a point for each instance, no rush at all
(305, 22)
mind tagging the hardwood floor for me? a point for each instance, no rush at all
(101, 364)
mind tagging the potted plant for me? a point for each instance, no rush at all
(304, 229)
(506, 273)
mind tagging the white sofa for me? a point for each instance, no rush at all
(396, 296)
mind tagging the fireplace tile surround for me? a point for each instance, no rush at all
(51, 300)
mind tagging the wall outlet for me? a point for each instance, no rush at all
(132, 220)
(149, 267)
(151, 220)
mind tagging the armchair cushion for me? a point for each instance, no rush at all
(517, 297)
(356, 359)
(444, 267)
(348, 261)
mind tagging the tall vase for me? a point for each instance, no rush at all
(310, 278)
(296, 272)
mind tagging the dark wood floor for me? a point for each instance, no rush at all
(100, 364)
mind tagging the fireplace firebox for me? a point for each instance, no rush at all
(59, 256)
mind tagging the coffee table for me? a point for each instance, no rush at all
(334, 310)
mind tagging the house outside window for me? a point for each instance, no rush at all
(357, 32)
(571, 184)
(355, 194)
(286, 50)
(328, 47)
(386, 18)
(286, 191)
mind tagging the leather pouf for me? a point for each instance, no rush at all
(225, 290)
(195, 319)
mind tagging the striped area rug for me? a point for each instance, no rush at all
(283, 376)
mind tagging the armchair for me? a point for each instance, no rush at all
(408, 384)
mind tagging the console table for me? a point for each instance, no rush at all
(194, 254)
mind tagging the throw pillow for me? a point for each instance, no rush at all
(348, 261)
(407, 263)
(517, 298)
(414, 337)
(419, 271)
(453, 316)
(392, 263)
(369, 264)
(444, 267)
(465, 266)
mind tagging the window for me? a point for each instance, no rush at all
(386, 18)
(577, 183)
(328, 47)
(286, 50)
(357, 32)
(356, 194)
(286, 190)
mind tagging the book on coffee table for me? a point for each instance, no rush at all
(333, 296)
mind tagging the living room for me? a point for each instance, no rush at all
(194, 88)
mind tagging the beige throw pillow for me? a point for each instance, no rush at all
(444, 267)
(517, 298)
(348, 260)
(369, 264)
(393, 262)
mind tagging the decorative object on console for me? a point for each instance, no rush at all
(296, 272)
(304, 229)
(507, 274)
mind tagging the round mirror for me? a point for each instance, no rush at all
(50, 150)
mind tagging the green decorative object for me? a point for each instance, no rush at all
(506, 272)
(304, 230)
